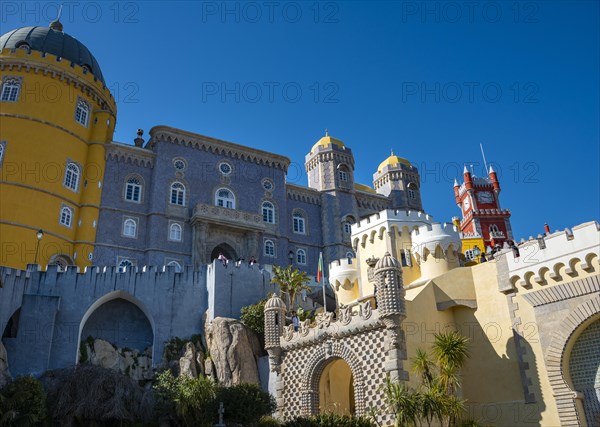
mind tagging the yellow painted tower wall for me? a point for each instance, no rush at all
(41, 135)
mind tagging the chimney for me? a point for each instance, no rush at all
(139, 141)
(546, 228)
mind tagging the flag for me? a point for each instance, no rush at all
(320, 270)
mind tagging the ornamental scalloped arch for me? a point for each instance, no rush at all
(326, 353)
(568, 412)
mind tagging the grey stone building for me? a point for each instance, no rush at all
(182, 199)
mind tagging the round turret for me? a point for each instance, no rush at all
(274, 321)
(326, 141)
(275, 303)
(390, 288)
(436, 247)
(392, 161)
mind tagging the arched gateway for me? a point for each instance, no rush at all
(358, 349)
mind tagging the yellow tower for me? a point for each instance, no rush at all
(56, 115)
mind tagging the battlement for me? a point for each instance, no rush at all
(19, 58)
(391, 215)
(560, 252)
(432, 235)
(486, 212)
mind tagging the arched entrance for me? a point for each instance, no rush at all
(336, 389)
(584, 369)
(120, 319)
(224, 249)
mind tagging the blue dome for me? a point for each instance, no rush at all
(54, 41)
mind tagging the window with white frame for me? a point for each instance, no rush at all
(268, 212)
(469, 255)
(298, 223)
(225, 198)
(82, 112)
(66, 216)
(301, 256)
(133, 189)
(175, 232)
(347, 227)
(177, 194)
(10, 90)
(177, 265)
(2, 148)
(125, 265)
(72, 174)
(269, 248)
(129, 227)
(343, 175)
(493, 228)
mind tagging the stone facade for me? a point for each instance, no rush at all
(369, 340)
(138, 189)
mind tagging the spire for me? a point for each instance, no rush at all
(465, 170)
(456, 183)
(391, 151)
(492, 169)
(56, 24)
(326, 132)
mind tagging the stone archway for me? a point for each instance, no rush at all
(226, 250)
(568, 401)
(331, 352)
(120, 319)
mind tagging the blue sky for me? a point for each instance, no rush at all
(430, 80)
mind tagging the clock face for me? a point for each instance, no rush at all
(485, 197)
(466, 203)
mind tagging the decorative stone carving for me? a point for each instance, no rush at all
(371, 262)
(365, 310)
(344, 315)
(288, 332)
(324, 319)
(304, 327)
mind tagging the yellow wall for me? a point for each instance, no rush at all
(41, 135)
(336, 394)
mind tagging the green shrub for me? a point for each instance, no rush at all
(245, 404)
(253, 316)
(268, 421)
(23, 403)
(330, 420)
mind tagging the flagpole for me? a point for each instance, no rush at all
(324, 299)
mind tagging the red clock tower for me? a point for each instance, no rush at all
(483, 221)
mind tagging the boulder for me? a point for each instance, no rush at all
(234, 350)
(104, 355)
(5, 376)
(135, 364)
(187, 363)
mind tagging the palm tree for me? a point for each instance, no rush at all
(423, 366)
(291, 281)
(451, 351)
(403, 403)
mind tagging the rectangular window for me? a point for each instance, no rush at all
(10, 90)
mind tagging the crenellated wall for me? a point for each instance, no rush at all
(44, 314)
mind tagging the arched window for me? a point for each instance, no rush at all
(269, 248)
(268, 212)
(412, 190)
(225, 198)
(175, 232)
(129, 227)
(301, 256)
(178, 194)
(177, 266)
(66, 216)
(347, 227)
(125, 265)
(298, 225)
(493, 228)
(133, 189)
(10, 90)
(343, 174)
(72, 174)
(82, 112)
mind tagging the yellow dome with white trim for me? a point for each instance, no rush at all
(327, 140)
(393, 160)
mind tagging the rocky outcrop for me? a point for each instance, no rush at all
(5, 377)
(136, 364)
(234, 351)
